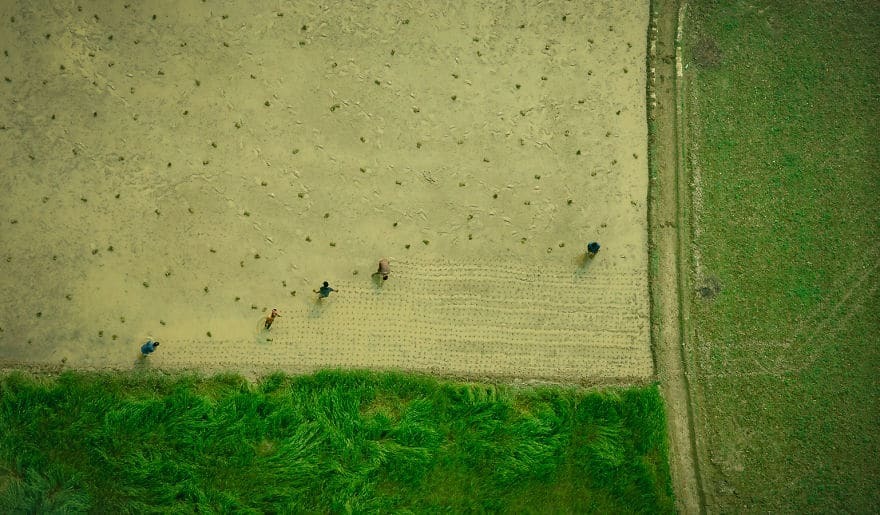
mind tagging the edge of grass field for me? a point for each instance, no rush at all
(668, 200)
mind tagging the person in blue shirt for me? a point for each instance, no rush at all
(148, 348)
(592, 249)
(324, 291)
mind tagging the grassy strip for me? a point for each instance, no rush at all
(785, 123)
(331, 442)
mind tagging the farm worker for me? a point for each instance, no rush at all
(271, 318)
(592, 249)
(324, 291)
(384, 269)
(149, 347)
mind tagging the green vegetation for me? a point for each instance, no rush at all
(331, 442)
(783, 125)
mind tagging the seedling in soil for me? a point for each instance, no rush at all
(257, 256)
(426, 241)
(208, 334)
(301, 195)
(569, 201)
(494, 195)
(68, 297)
(237, 299)
(241, 263)
(122, 319)
(253, 306)
(461, 185)
(537, 177)
(212, 251)
(146, 284)
(332, 243)
(205, 289)
(100, 334)
(161, 322)
(578, 153)
(115, 337)
(295, 151)
(308, 238)
(157, 212)
(94, 251)
(293, 293)
(326, 215)
(247, 213)
(39, 314)
(561, 244)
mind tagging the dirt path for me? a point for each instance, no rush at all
(669, 241)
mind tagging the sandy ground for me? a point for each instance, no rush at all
(176, 169)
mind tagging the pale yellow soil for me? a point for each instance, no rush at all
(164, 149)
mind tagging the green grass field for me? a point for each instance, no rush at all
(783, 114)
(331, 442)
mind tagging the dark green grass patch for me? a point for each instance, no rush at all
(784, 114)
(330, 442)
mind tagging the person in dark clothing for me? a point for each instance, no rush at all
(324, 291)
(148, 348)
(592, 249)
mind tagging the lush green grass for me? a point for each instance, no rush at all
(332, 442)
(786, 136)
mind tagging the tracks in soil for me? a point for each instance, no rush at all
(669, 233)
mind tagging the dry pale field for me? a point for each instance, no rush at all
(175, 169)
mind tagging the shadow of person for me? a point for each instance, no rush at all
(378, 280)
(318, 307)
(582, 264)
